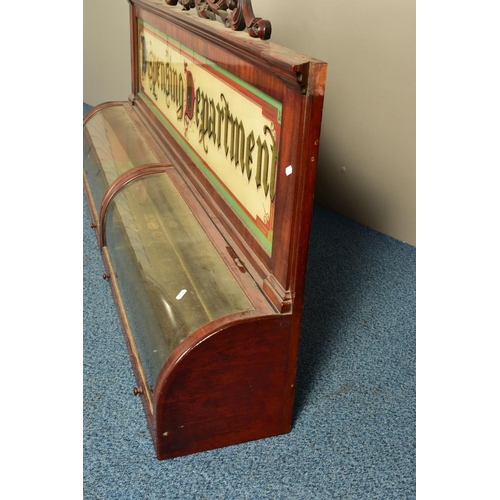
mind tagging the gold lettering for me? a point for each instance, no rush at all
(239, 144)
(261, 148)
(198, 100)
(216, 123)
(220, 117)
(248, 157)
(204, 120)
(270, 176)
(211, 121)
(227, 118)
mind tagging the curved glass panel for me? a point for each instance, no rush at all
(171, 278)
(112, 144)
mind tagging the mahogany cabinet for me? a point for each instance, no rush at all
(201, 188)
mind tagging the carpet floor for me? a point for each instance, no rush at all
(353, 435)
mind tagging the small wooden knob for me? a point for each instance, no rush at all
(137, 391)
(106, 276)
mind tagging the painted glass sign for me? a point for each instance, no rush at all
(230, 129)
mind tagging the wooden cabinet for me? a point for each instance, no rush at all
(200, 188)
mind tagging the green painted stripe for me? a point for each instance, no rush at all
(270, 100)
(264, 242)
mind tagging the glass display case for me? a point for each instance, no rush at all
(200, 189)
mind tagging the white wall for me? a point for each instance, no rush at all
(106, 51)
(367, 159)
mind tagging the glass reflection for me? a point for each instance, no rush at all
(112, 144)
(171, 277)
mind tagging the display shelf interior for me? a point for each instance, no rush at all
(200, 189)
(171, 278)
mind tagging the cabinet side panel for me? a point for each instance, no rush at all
(230, 387)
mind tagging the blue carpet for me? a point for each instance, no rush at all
(353, 435)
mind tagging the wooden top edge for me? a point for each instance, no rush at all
(267, 51)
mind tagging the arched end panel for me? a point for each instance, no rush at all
(97, 109)
(225, 387)
(118, 184)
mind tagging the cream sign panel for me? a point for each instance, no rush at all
(230, 129)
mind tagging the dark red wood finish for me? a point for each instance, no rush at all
(282, 74)
(241, 17)
(233, 379)
(225, 385)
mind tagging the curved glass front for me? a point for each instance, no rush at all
(112, 144)
(171, 278)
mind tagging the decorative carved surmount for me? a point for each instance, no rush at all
(240, 18)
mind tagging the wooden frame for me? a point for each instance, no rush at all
(241, 17)
(232, 379)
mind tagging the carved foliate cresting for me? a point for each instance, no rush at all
(235, 14)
